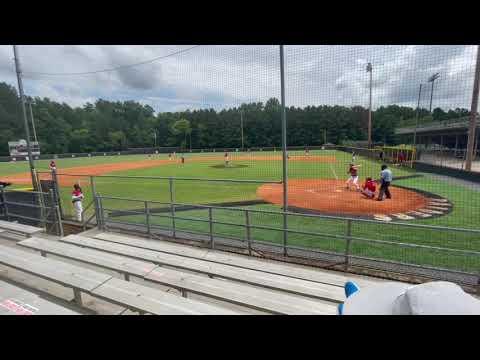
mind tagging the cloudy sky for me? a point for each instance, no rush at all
(223, 76)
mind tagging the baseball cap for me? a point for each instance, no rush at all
(432, 298)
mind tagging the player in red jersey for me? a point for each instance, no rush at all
(369, 188)
(353, 179)
(52, 165)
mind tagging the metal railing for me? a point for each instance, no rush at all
(45, 216)
(347, 249)
(349, 244)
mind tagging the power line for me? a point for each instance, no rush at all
(111, 69)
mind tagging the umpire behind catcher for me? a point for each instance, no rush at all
(385, 180)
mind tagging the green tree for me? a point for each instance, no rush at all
(182, 126)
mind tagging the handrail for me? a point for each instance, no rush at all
(84, 223)
(247, 181)
(289, 213)
(87, 222)
(86, 208)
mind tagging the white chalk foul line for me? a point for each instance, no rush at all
(333, 171)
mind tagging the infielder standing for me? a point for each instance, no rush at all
(227, 158)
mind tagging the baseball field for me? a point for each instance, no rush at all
(316, 185)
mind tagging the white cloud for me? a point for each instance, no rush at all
(216, 76)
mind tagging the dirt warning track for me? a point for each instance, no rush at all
(331, 196)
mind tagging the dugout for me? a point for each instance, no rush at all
(401, 154)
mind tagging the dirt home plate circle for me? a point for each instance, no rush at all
(330, 197)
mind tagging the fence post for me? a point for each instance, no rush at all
(60, 223)
(172, 205)
(101, 223)
(4, 202)
(41, 200)
(53, 206)
(285, 232)
(147, 214)
(210, 222)
(57, 190)
(248, 234)
(348, 236)
(95, 200)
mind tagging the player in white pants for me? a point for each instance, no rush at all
(77, 198)
(353, 179)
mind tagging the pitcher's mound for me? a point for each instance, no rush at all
(330, 196)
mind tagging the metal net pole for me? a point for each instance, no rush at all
(284, 151)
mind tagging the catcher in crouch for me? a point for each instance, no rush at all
(369, 188)
(353, 179)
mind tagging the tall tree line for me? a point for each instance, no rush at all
(112, 126)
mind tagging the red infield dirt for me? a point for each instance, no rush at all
(99, 169)
(103, 169)
(331, 196)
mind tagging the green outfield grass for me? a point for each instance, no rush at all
(465, 214)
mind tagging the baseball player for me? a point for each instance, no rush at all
(401, 158)
(227, 158)
(77, 198)
(307, 152)
(354, 156)
(52, 165)
(169, 156)
(353, 179)
(369, 188)
(183, 159)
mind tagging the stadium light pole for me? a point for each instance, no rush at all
(24, 111)
(33, 122)
(155, 137)
(432, 80)
(241, 126)
(369, 70)
(473, 115)
(416, 116)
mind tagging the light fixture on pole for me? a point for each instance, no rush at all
(369, 70)
(432, 80)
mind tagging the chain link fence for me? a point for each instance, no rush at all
(207, 160)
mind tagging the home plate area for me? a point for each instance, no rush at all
(330, 197)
